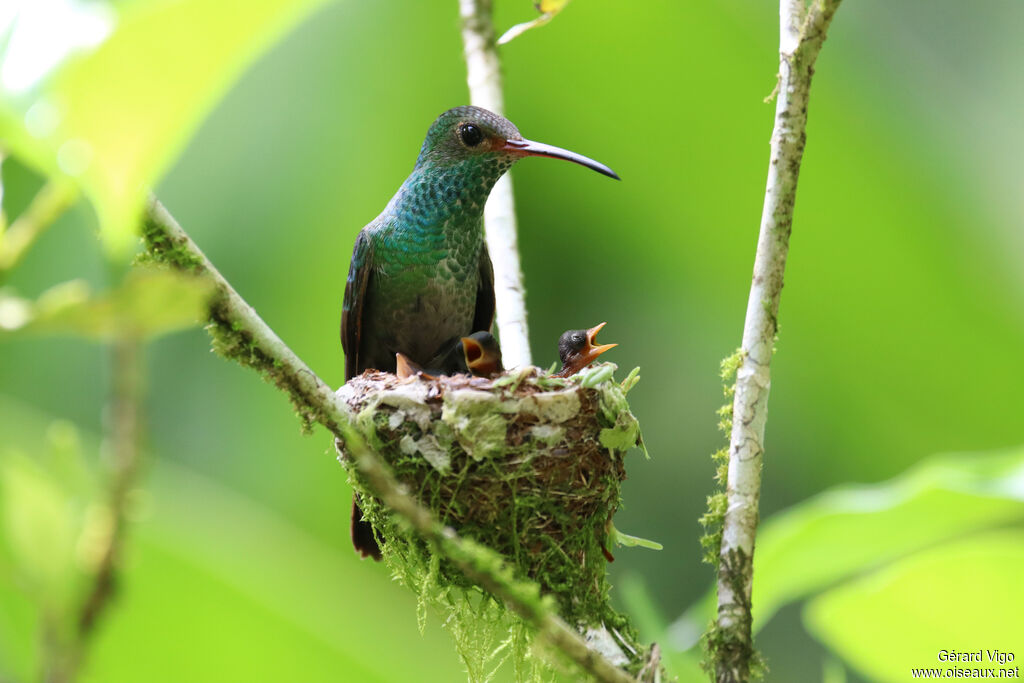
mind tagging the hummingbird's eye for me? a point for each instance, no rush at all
(470, 134)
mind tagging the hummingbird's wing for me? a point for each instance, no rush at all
(355, 296)
(483, 315)
(356, 286)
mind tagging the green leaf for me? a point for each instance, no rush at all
(645, 612)
(631, 380)
(108, 94)
(595, 374)
(40, 528)
(268, 592)
(619, 538)
(66, 462)
(850, 529)
(149, 303)
(965, 596)
(552, 5)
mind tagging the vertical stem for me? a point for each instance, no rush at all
(64, 654)
(483, 75)
(801, 36)
(123, 438)
(121, 448)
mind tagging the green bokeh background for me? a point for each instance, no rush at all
(902, 320)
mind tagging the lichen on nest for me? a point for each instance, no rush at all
(527, 464)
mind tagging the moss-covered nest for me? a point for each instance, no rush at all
(527, 464)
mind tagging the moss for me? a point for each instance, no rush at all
(229, 338)
(162, 249)
(731, 649)
(532, 475)
(712, 520)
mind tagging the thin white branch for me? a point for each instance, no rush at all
(801, 36)
(483, 75)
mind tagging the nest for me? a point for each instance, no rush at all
(527, 464)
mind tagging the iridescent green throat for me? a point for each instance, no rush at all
(447, 200)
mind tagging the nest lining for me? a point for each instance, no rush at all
(527, 464)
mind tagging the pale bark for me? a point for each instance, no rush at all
(483, 75)
(802, 32)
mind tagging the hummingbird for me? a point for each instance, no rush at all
(577, 349)
(477, 355)
(420, 275)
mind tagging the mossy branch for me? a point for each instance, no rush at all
(240, 334)
(483, 75)
(802, 32)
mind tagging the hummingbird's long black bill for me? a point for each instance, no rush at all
(539, 149)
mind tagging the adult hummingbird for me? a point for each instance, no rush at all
(420, 276)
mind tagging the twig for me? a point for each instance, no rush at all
(242, 334)
(121, 446)
(123, 438)
(48, 204)
(483, 75)
(802, 33)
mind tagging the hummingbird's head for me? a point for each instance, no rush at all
(578, 348)
(472, 133)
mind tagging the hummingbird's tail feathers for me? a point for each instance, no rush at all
(363, 539)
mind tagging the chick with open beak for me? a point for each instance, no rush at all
(478, 355)
(577, 349)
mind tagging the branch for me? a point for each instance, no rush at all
(63, 661)
(241, 334)
(48, 204)
(483, 75)
(802, 33)
(123, 438)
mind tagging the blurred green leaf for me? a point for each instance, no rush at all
(646, 614)
(46, 207)
(854, 528)
(833, 671)
(66, 461)
(216, 573)
(46, 513)
(962, 596)
(109, 94)
(40, 528)
(149, 303)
